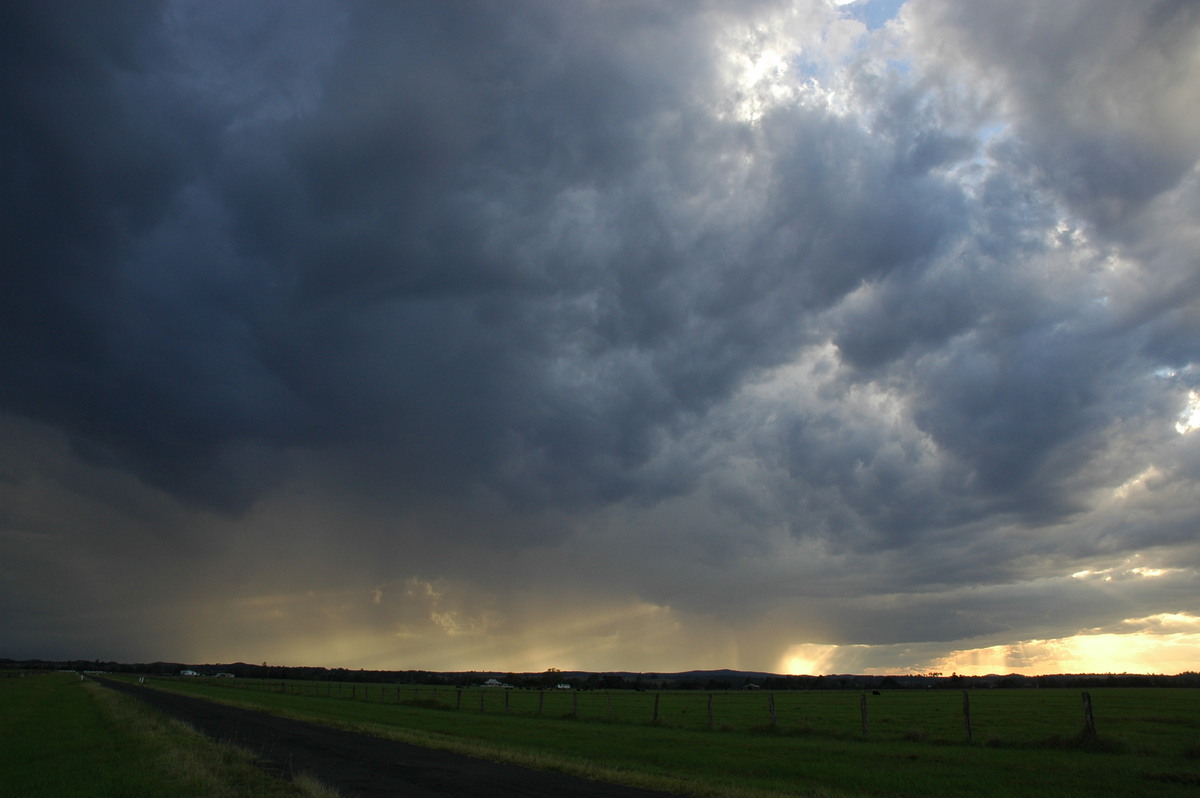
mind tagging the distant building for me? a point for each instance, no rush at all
(188, 673)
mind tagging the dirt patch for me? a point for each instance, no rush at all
(362, 766)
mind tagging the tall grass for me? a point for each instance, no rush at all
(63, 738)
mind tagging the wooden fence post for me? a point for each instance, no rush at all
(481, 692)
(862, 708)
(541, 700)
(458, 698)
(506, 700)
(575, 703)
(656, 697)
(608, 695)
(1089, 722)
(710, 711)
(967, 714)
(771, 708)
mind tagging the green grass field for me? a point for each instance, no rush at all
(1024, 742)
(63, 738)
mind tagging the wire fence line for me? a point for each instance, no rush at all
(941, 715)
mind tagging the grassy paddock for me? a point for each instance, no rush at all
(62, 738)
(1137, 717)
(1026, 742)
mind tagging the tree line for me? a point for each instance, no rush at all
(582, 680)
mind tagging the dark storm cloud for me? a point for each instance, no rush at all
(840, 334)
(124, 318)
(463, 241)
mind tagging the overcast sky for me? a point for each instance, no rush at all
(799, 336)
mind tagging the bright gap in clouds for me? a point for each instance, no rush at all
(1144, 651)
(1168, 643)
(797, 57)
(1189, 419)
(809, 659)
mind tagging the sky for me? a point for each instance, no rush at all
(804, 337)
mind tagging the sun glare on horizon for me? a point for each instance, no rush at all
(1168, 643)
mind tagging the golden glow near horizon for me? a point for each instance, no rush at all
(1144, 651)
(327, 629)
(644, 637)
(810, 658)
(1167, 643)
(437, 625)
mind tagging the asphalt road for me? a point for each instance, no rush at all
(362, 766)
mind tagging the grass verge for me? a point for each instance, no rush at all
(63, 738)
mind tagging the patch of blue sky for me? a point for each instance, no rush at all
(992, 131)
(873, 13)
(811, 68)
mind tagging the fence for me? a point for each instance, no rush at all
(936, 715)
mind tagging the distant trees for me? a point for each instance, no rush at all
(699, 680)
